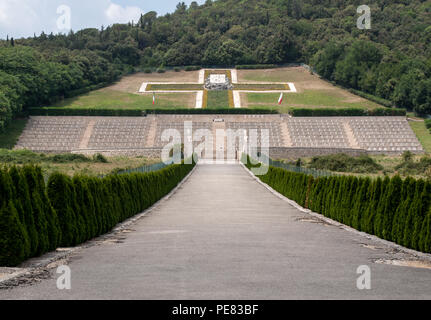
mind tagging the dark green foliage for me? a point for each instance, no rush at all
(360, 203)
(428, 124)
(100, 158)
(192, 68)
(391, 203)
(23, 198)
(12, 237)
(344, 163)
(44, 111)
(418, 220)
(61, 195)
(407, 193)
(413, 208)
(425, 237)
(139, 112)
(35, 218)
(411, 167)
(392, 209)
(256, 66)
(54, 231)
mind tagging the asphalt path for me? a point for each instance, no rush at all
(222, 235)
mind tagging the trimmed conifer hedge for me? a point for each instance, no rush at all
(46, 111)
(139, 112)
(346, 112)
(36, 217)
(391, 208)
(256, 66)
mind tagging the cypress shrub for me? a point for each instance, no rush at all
(413, 209)
(86, 208)
(378, 219)
(361, 202)
(420, 214)
(61, 194)
(9, 196)
(37, 205)
(12, 237)
(425, 237)
(24, 198)
(53, 224)
(6, 191)
(400, 217)
(392, 201)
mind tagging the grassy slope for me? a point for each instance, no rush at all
(9, 138)
(312, 91)
(423, 134)
(218, 100)
(71, 167)
(309, 98)
(112, 99)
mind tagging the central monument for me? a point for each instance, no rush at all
(218, 82)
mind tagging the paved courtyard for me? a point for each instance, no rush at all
(223, 235)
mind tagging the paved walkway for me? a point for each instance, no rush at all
(222, 235)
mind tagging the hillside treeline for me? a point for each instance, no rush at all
(392, 60)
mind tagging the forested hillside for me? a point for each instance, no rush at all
(392, 60)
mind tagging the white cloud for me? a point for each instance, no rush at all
(17, 16)
(22, 18)
(118, 14)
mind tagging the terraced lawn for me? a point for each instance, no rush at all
(422, 133)
(312, 91)
(305, 99)
(112, 99)
(217, 99)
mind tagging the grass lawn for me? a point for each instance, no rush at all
(112, 99)
(273, 75)
(422, 133)
(71, 163)
(261, 87)
(10, 137)
(306, 99)
(180, 86)
(218, 99)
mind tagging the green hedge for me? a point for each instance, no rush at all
(36, 218)
(345, 112)
(256, 66)
(211, 111)
(139, 112)
(373, 98)
(84, 112)
(428, 124)
(192, 68)
(393, 209)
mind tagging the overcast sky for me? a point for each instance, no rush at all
(23, 18)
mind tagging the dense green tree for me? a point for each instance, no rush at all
(12, 237)
(361, 202)
(61, 194)
(23, 202)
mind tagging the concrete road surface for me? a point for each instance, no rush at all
(223, 235)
